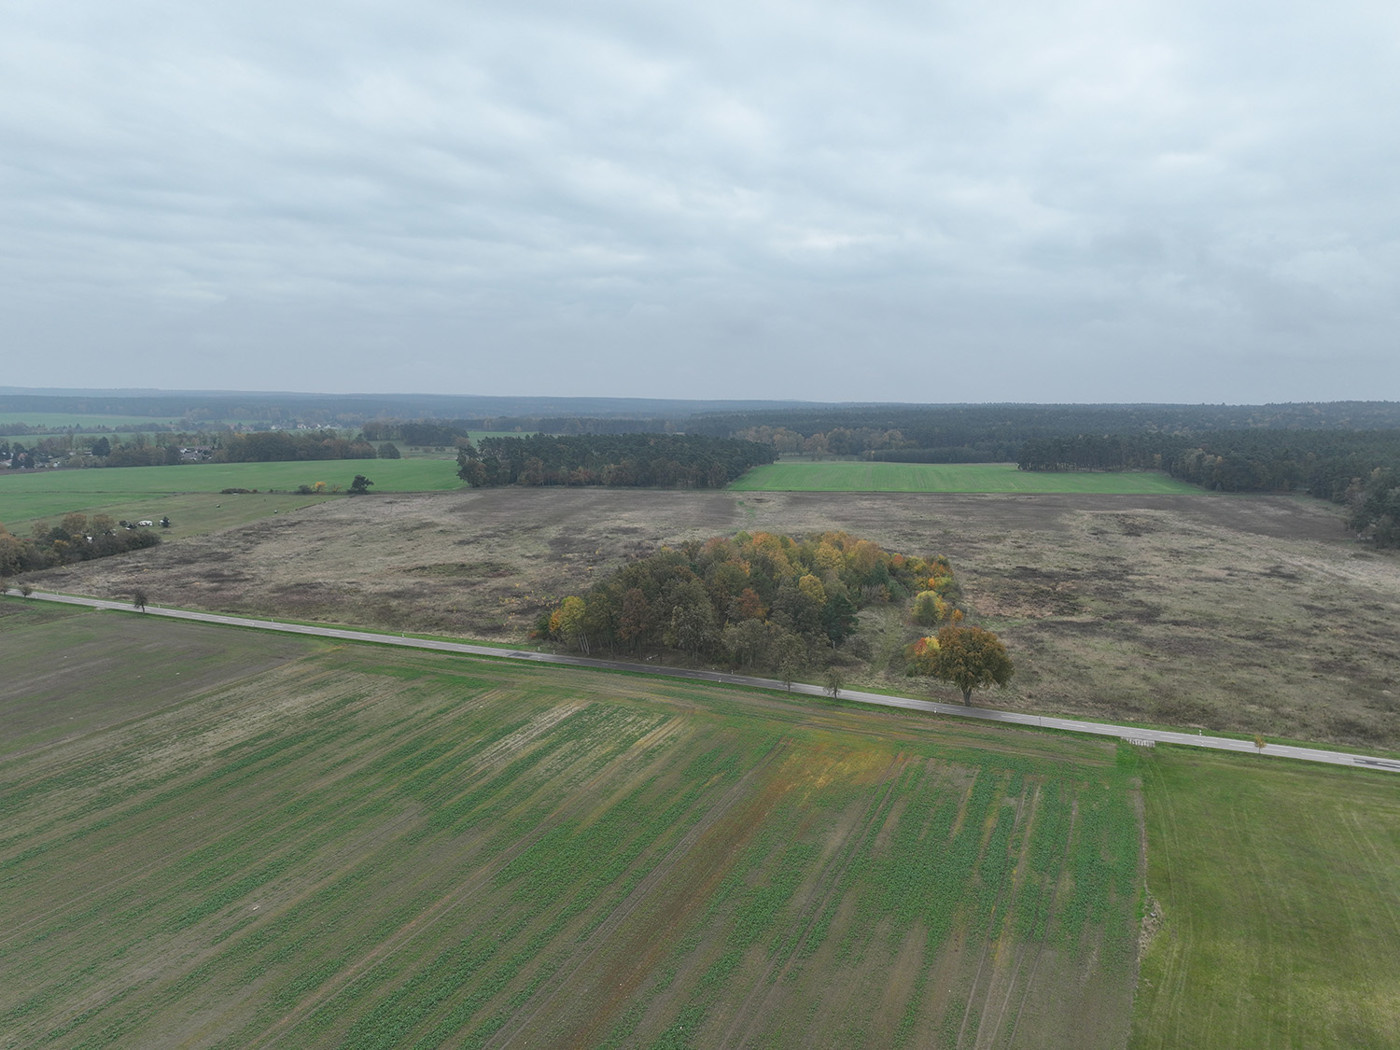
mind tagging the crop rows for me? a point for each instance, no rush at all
(431, 856)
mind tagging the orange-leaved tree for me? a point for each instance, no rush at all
(969, 657)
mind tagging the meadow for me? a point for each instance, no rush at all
(184, 493)
(859, 476)
(1280, 920)
(78, 423)
(190, 494)
(330, 845)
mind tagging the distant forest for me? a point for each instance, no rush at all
(1359, 469)
(1347, 451)
(618, 460)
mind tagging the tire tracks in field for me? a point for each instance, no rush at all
(467, 893)
(637, 966)
(757, 1002)
(1006, 893)
(1050, 917)
(496, 758)
(51, 833)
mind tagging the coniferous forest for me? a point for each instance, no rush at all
(617, 460)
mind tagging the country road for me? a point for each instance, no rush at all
(1144, 737)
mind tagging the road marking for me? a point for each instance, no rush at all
(1378, 763)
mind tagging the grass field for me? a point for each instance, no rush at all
(59, 422)
(850, 476)
(310, 845)
(190, 494)
(1278, 888)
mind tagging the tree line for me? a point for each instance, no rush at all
(281, 446)
(618, 460)
(1358, 469)
(75, 538)
(997, 433)
(142, 450)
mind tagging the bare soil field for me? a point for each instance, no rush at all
(1248, 614)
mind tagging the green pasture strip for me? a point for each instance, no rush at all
(855, 476)
(190, 513)
(1277, 884)
(61, 422)
(361, 847)
(388, 475)
(191, 494)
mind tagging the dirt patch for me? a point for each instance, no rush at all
(1256, 614)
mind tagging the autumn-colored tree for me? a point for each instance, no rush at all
(969, 657)
(805, 593)
(748, 606)
(567, 622)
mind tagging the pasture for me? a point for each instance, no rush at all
(859, 476)
(78, 423)
(190, 494)
(329, 845)
(1280, 921)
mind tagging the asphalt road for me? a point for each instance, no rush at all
(1143, 737)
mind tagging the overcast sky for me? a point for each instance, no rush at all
(1168, 200)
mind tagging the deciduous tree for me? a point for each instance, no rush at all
(969, 657)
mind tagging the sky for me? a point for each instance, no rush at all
(1155, 201)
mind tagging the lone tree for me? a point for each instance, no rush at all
(138, 599)
(834, 681)
(969, 657)
(360, 486)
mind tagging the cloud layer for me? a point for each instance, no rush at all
(1083, 201)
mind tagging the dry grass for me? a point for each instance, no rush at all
(1252, 614)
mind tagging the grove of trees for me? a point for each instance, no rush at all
(279, 446)
(75, 538)
(755, 600)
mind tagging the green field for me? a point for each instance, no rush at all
(212, 837)
(315, 845)
(193, 489)
(1280, 888)
(61, 422)
(851, 476)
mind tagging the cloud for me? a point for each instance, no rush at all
(1061, 202)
